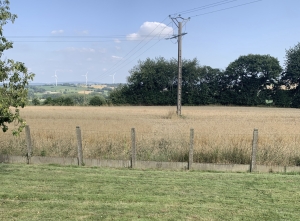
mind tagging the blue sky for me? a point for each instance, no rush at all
(108, 37)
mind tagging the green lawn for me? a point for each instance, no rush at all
(31, 192)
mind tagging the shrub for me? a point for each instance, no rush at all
(36, 101)
(97, 101)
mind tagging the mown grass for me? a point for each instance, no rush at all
(48, 192)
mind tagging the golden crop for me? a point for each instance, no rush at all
(222, 134)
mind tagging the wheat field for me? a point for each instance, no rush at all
(222, 134)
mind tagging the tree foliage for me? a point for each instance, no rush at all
(291, 75)
(14, 78)
(97, 101)
(154, 82)
(36, 101)
(247, 79)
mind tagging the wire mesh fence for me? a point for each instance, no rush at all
(273, 149)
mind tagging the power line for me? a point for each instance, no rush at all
(205, 7)
(118, 66)
(112, 69)
(128, 62)
(72, 36)
(70, 41)
(227, 8)
(58, 39)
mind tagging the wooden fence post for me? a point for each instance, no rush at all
(79, 146)
(133, 148)
(254, 150)
(28, 142)
(191, 148)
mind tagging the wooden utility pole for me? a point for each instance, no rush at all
(179, 70)
(179, 36)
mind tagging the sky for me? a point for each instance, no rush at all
(105, 39)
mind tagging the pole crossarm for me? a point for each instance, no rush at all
(177, 18)
(176, 36)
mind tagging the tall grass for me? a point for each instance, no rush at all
(222, 134)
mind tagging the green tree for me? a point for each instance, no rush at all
(14, 77)
(48, 101)
(247, 79)
(97, 101)
(154, 82)
(36, 101)
(77, 99)
(291, 75)
(151, 82)
(117, 96)
(67, 101)
(210, 85)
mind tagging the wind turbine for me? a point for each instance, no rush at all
(113, 75)
(85, 78)
(55, 75)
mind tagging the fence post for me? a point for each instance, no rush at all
(28, 142)
(133, 148)
(191, 148)
(254, 149)
(79, 146)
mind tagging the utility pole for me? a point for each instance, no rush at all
(179, 36)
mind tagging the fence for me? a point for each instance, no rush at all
(152, 150)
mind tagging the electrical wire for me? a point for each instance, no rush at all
(118, 66)
(144, 39)
(226, 8)
(113, 38)
(208, 6)
(158, 36)
(205, 7)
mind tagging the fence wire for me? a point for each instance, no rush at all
(273, 149)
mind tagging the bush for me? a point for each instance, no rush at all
(97, 101)
(48, 101)
(36, 101)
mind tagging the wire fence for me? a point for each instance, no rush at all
(273, 149)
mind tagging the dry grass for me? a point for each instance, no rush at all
(99, 86)
(85, 92)
(222, 134)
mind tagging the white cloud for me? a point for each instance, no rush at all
(89, 59)
(117, 47)
(104, 69)
(150, 30)
(57, 31)
(116, 57)
(117, 41)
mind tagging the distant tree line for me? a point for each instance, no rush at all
(71, 100)
(250, 80)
